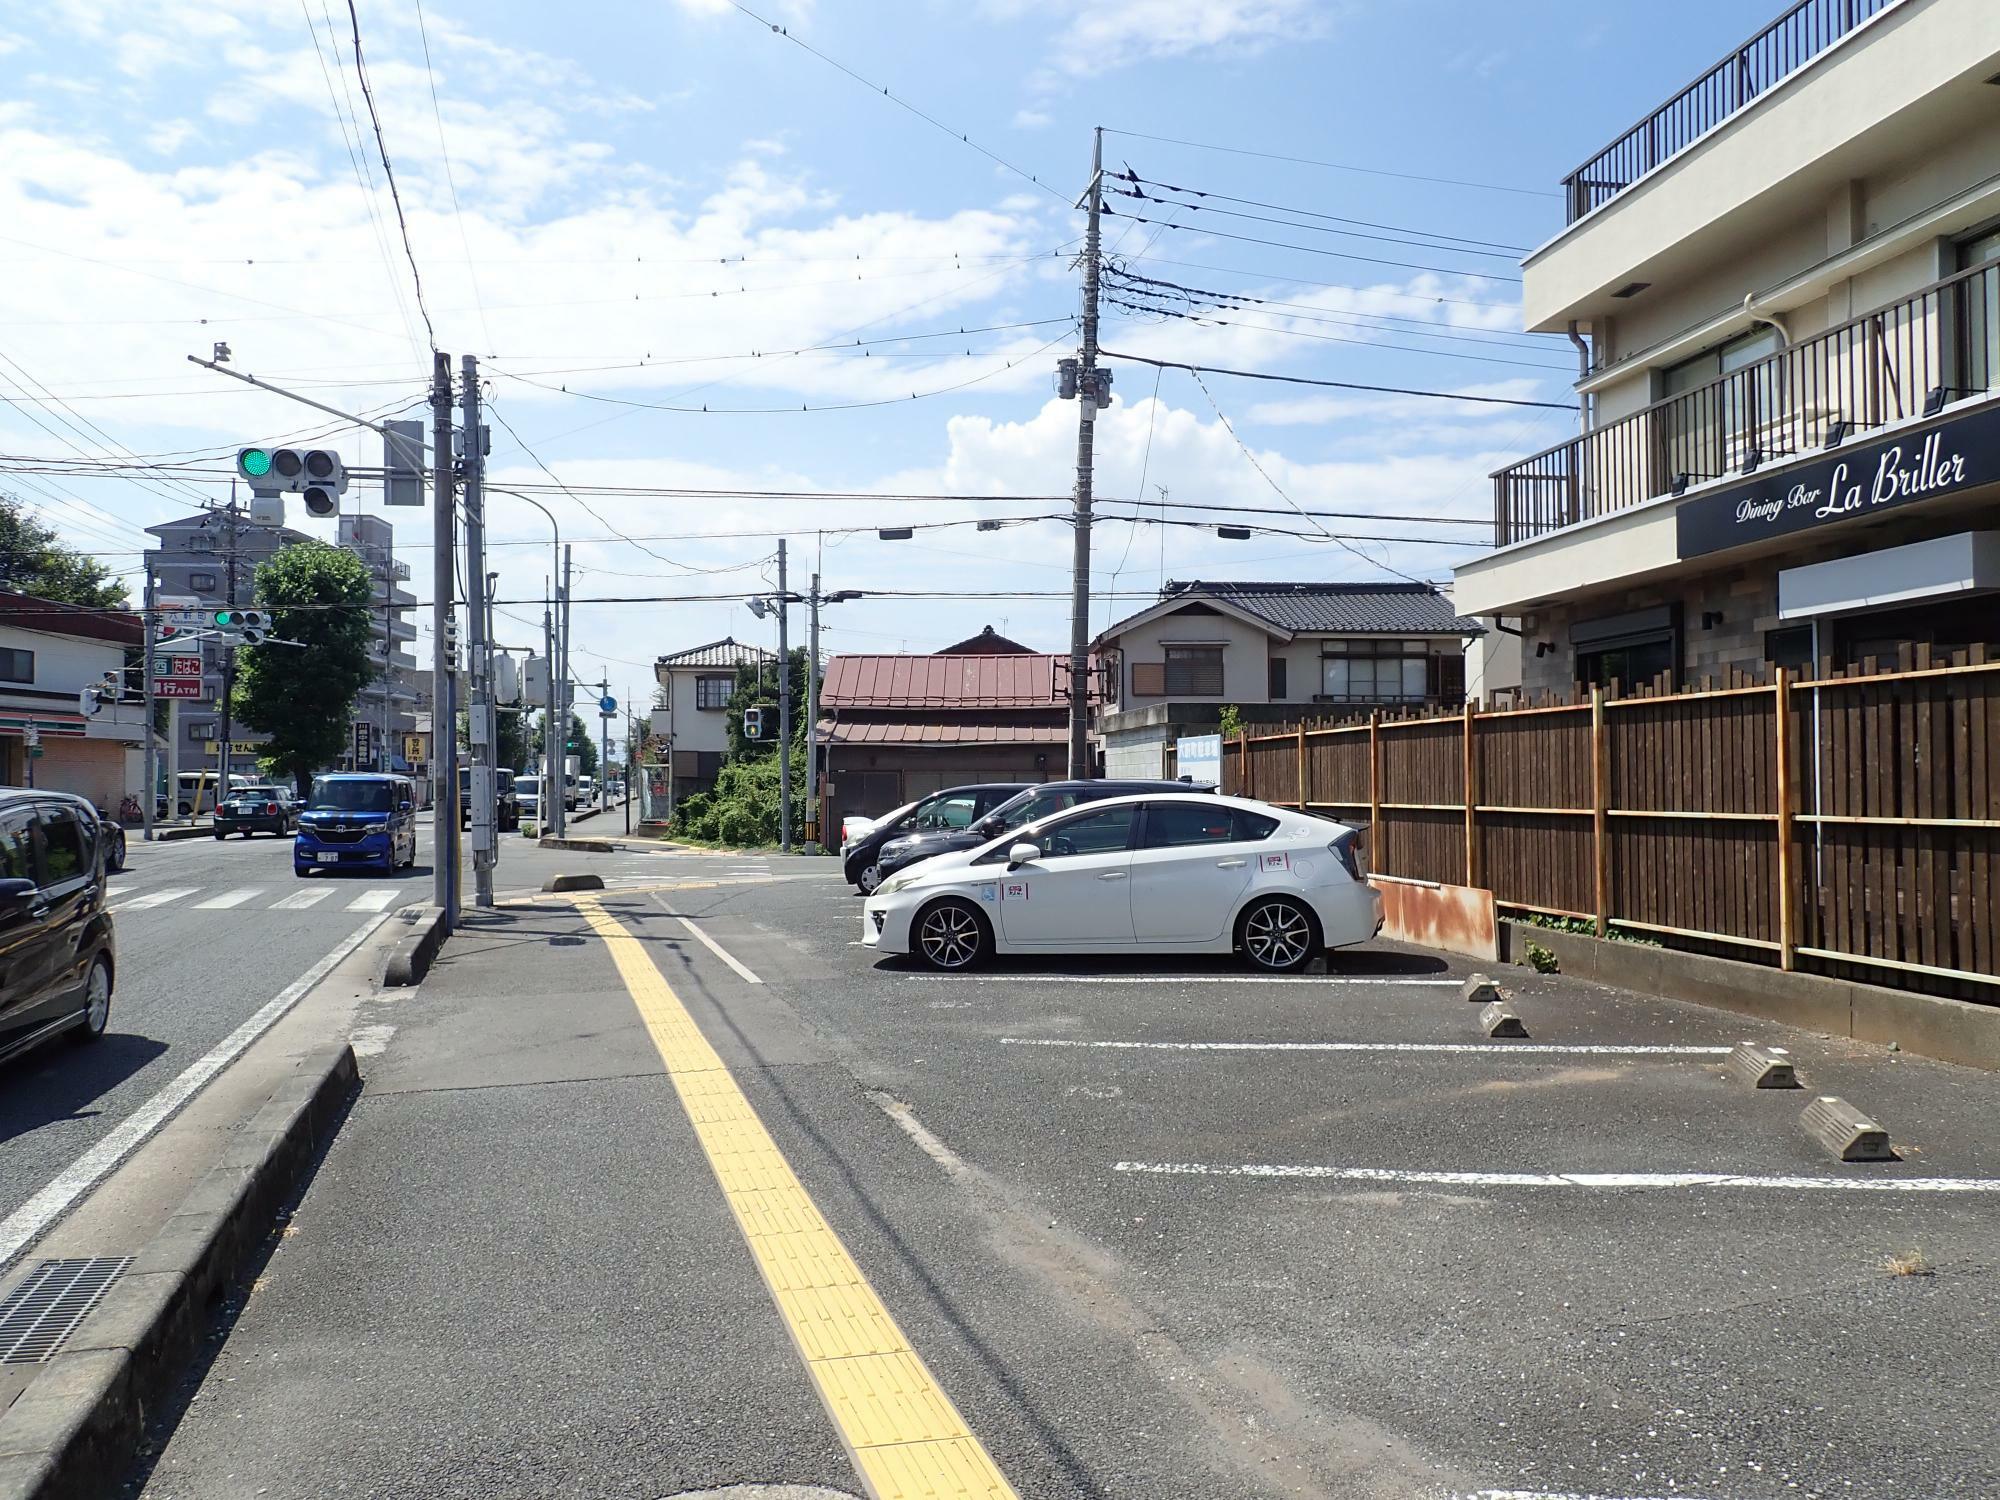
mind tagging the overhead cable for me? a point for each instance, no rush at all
(1334, 166)
(395, 195)
(1341, 385)
(1372, 260)
(1133, 177)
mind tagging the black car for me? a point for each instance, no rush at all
(1035, 802)
(257, 809)
(955, 807)
(57, 954)
(506, 801)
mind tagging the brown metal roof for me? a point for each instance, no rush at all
(944, 682)
(940, 732)
(122, 627)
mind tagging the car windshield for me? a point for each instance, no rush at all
(1027, 807)
(353, 796)
(256, 793)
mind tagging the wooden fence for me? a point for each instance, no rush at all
(1845, 823)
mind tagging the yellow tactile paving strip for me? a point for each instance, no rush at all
(907, 1440)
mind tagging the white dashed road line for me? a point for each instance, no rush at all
(229, 898)
(1575, 1179)
(300, 900)
(720, 952)
(26, 1224)
(155, 898)
(1531, 1048)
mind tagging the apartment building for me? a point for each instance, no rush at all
(384, 714)
(1786, 279)
(1276, 651)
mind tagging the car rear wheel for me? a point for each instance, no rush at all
(952, 935)
(220, 835)
(96, 1002)
(1277, 935)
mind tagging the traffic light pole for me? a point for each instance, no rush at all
(444, 708)
(150, 626)
(565, 699)
(603, 742)
(223, 758)
(812, 708)
(479, 661)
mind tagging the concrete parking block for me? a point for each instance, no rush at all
(1497, 1020)
(1481, 990)
(1847, 1133)
(1763, 1067)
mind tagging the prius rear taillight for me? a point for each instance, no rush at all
(1347, 849)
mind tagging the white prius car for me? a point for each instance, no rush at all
(1153, 874)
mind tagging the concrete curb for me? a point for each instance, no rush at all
(573, 883)
(414, 955)
(168, 835)
(72, 1434)
(580, 846)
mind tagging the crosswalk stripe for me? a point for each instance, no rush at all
(229, 898)
(375, 900)
(155, 898)
(300, 900)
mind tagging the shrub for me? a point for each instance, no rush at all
(1541, 960)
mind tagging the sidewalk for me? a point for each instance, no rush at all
(517, 1272)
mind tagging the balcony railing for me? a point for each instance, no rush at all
(1756, 67)
(1881, 367)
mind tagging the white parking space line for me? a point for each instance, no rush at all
(1531, 1048)
(229, 898)
(26, 1224)
(742, 972)
(155, 898)
(375, 900)
(300, 900)
(1556, 1495)
(1652, 1180)
(1053, 978)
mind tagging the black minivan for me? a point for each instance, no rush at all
(57, 954)
(954, 807)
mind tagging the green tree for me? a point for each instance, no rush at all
(303, 698)
(758, 688)
(510, 748)
(582, 746)
(34, 561)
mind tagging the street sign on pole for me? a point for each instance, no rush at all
(364, 744)
(178, 645)
(607, 705)
(176, 687)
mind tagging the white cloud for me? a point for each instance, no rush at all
(167, 138)
(1098, 39)
(1032, 119)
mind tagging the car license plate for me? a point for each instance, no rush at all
(329, 857)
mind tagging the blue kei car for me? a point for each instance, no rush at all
(357, 819)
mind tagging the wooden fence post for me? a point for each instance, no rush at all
(1471, 792)
(1786, 935)
(1243, 763)
(1600, 791)
(1377, 859)
(1302, 765)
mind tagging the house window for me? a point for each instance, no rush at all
(1789, 647)
(17, 666)
(202, 583)
(202, 729)
(1630, 650)
(713, 692)
(1710, 433)
(1375, 671)
(1981, 294)
(1277, 692)
(1194, 671)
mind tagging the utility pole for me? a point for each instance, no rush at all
(564, 702)
(227, 644)
(784, 715)
(444, 707)
(544, 819)
(151, 627)
(1086, 434)
(388, 577)
(480, 715)
(812, 708)
(603, 738)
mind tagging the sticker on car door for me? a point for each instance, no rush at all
(1268, 862)
(1014, 890)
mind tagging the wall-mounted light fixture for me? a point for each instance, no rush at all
(1836, 431)
(1753, 458)
(1710, 618)
(1543, 648)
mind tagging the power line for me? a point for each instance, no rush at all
(1355, 234)
(1340, 385)
(1372, 260)
(754, 411)
(1333, 166)
(388, 172)
(875, 88)
(1428, 298)
(1133, 177)
(437, 112)
(1330, 338)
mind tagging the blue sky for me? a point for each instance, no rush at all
(652, 203)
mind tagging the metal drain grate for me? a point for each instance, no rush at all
(44, 1310)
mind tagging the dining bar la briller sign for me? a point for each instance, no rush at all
(1861, 480)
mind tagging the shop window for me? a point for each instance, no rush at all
(1194, 671)
(17, 666)
(713, 692)
(1627, 666)
(1631, 649)
(1790, 648)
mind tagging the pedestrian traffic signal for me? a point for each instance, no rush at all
(753, 723)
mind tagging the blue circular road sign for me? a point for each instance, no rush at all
(607, 704)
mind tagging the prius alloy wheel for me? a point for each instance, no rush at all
(951, 935)
(1277, 936)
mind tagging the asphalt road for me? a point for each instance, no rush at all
(208, 932)
(1156, 1229)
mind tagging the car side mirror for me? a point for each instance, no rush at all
(1023, 853)
(17, 895)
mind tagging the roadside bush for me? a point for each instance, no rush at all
(742, 808)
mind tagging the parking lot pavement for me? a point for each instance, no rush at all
(1392, 1256)
(1146, 1228)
